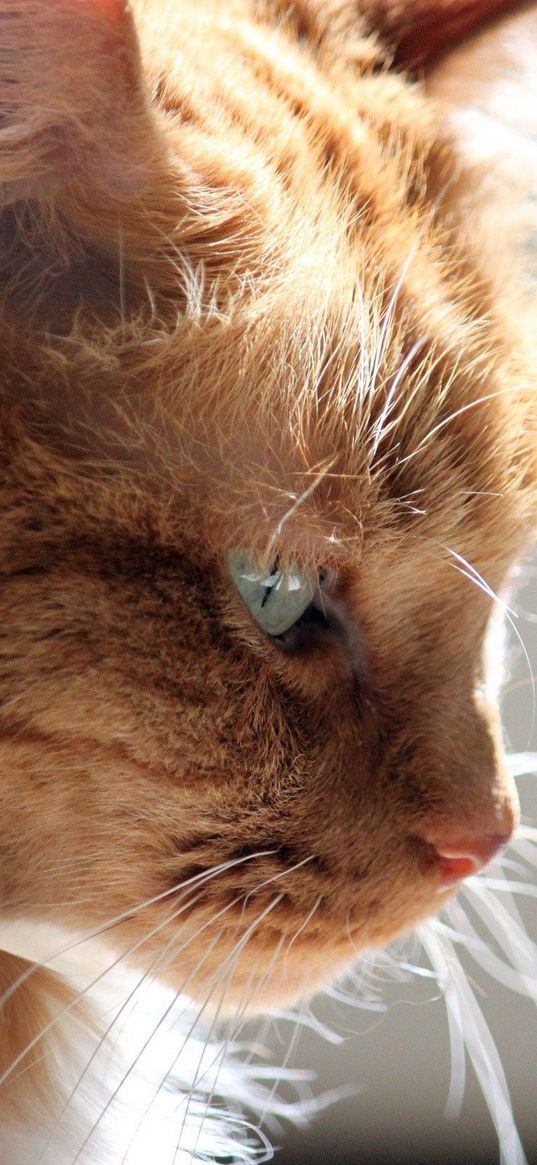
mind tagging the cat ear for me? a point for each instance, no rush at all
(79, 143)
(419, 30)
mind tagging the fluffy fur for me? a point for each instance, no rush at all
(245, 302)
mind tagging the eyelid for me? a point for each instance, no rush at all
(343, 624)
(314, 621)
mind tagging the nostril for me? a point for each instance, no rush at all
(455, 868)
(465, 856)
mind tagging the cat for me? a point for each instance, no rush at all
(268, 455)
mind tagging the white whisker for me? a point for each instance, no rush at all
(467, 1021)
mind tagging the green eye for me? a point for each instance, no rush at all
(277, 599)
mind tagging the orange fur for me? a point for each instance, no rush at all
(245, 302)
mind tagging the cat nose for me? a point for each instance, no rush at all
(459, 859)
(461, 854)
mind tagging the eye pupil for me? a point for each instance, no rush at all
(265, 596)
(270, 584)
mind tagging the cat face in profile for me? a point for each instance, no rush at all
(253, 361)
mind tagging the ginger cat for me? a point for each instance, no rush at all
(268, 414)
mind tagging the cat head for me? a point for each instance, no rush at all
(267, 458)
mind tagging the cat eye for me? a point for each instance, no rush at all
(278, 600)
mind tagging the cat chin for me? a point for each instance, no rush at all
(267, 977)
(291, 957)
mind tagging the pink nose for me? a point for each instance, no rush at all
(458, 859)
